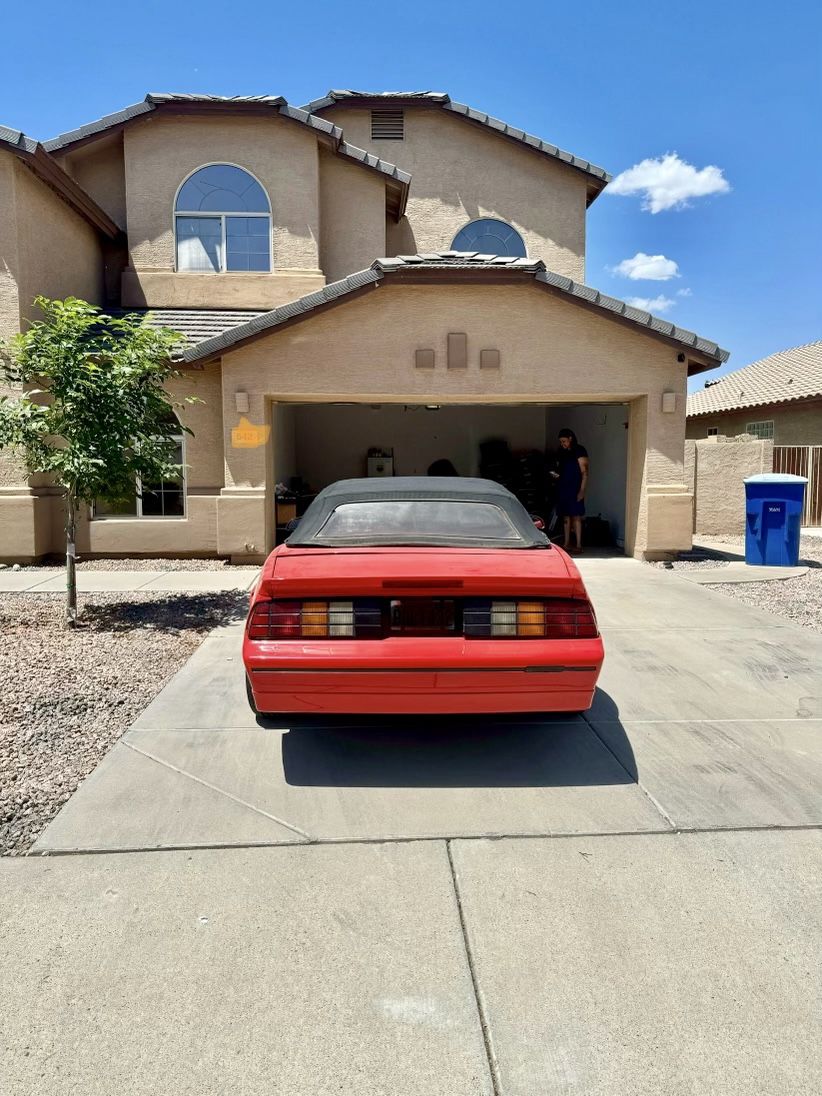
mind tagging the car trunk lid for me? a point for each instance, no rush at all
(420, 572)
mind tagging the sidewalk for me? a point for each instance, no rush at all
(43, 580)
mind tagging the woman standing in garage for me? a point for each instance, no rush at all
(571, 487)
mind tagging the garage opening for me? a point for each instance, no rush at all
(316, 444)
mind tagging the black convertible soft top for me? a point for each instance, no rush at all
(433, 511)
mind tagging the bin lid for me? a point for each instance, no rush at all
(776, 477)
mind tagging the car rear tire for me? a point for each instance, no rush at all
(250, 695)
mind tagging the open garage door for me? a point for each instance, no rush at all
(316, 444)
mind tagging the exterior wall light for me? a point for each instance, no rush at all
(669, 402)
(241, 402)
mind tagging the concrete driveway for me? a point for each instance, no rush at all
(626, 903)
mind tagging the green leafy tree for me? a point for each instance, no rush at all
(93, 413)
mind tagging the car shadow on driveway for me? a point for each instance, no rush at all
(514, 751)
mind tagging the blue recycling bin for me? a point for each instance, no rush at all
(773, 509)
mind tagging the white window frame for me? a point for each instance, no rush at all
(138, 487)
(751, 428)
(175, 213)
(713, 431)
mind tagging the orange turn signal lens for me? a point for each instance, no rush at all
(530, 618)
(315, 618)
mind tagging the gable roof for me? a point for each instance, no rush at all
(598, 178)
(396, 180)
(455, 266)
(37, 159)
(788, 375)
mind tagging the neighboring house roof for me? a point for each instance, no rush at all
(598, 177)
(37, 159)
(784, 377)
(396, 180)
(456, 266)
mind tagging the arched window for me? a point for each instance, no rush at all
(222, 221)
(489, 237)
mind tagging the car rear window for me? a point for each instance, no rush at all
(384, 520)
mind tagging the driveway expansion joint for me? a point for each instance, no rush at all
(635, 780)
(307, 838)
(490, 1054)
(323, 842)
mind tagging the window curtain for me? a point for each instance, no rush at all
(199, 242)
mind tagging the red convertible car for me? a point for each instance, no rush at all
(419, 595)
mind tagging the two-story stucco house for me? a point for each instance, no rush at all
(393, 274)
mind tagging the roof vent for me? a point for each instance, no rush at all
(387, 125)
(710, 384)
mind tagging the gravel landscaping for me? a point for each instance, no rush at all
(798, 599)
(67, 696)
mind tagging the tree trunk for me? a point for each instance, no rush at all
(71, 557)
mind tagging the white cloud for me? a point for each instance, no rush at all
(651, 304)
(684, 292)
(651, 268)
(667, 182)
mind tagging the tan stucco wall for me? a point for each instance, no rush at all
(99, 168)
(461, 172)
(60, 253)
(9, 258)
(552, 350)
(45, 248)
(352, 217)
(716, 469)
(11, 470)
(204, 450)
(197, 532)
(31, 524)
(165, 289)
(797, 424)
(160, 152)
(18, 525)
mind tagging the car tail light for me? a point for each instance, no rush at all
(311, 619)
(379, 618)
(548, 618)
(314, 618)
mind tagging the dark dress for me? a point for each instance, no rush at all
(570, 480)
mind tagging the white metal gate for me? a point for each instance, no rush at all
(803, 460)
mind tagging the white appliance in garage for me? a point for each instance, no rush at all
(381, 466)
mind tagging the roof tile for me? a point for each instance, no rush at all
(441, 99)
(209, 331)
(788, 375)
(195, 325)
(275, 102)
(234, 331)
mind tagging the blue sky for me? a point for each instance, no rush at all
(730, 84)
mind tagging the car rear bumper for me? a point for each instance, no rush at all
(440, 676)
